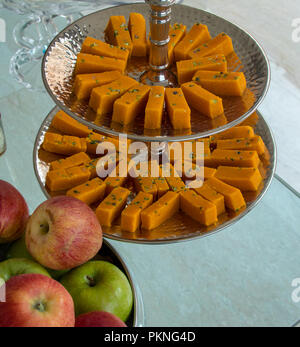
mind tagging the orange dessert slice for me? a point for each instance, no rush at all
(213, 196)
(74, 160)
(131, 216)
(160, 211)
(198, 34)
(198, 208)
(228, 157)
(177, 33)
(178, 109)
(103, 98)
(154, 108)
(131, 104)
(98, 47)
(220, 83)
(202, 100)
(234, 199)
(84, 83)
(220, 44)
(186, 69)
(111, 207)
(137, 29)
(244, 178)
(68, 125)
(117, 33)
(63, 144)
(89, 192)
(88, 63)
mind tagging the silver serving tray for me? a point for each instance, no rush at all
(180, 227)
(60, 58)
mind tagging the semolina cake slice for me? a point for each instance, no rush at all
(178, 109)
(89, 63)
(98, 47)
(222, 83)
(198, 34)
(154, 108)
(202, 100)
(233, 197)
(102, 98)
(111, 207)
(159, 212)
(222, 43)
(89, 192)
(131, 216)
(117, 33)
(244, 178)
(137, 29)
(198, 208)
(85, 83)
(131, 104)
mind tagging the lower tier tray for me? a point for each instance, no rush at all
(180, 227)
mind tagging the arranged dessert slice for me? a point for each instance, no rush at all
(117, 33)
(178, 109)
(131, 216)
(116, 179)
(161, 186)
(160, 211)
(68, 125)
(137, 29)
(146, 185)
(103, 98)
(177, 33)
(89, 192)
(220, 83)
(222, 43)
(249, 144)
(233, 197)
(186, 69)
(237, 132)
(198, 208)
(111, 207)
(88, 63)
(74, 160)
(210, 194)
(64, 144)
(63, 179)
(98, 47)
(173, 178)
(202, 100)
(227, 157)
(154, 108)
(244, 178)
(84, 83)
(132, 103)
(198, 34)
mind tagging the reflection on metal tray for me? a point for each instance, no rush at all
(60, 59)
(180, 227)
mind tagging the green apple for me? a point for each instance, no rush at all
(19, 266)
(19, 250)
(99, 286)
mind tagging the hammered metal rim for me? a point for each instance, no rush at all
(144, 138)
(267, 182)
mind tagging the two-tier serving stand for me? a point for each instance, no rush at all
(57, 72)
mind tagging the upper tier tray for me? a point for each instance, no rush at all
(60, 59)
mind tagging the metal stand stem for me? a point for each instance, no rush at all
(160, 17)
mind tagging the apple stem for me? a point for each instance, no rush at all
(91, 281)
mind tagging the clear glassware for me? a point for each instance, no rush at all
(43, 20)
(2, 138)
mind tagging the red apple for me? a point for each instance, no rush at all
(99, 319)
(63, 233)
(13, 213)
(34, 300)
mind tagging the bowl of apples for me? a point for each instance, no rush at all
(57, 271)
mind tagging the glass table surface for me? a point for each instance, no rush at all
(241, 276)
